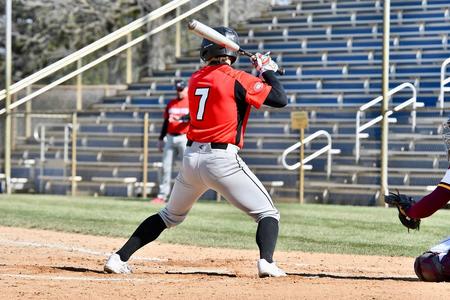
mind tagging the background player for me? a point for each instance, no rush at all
(434, 264)
(220, 99)
(172, 140)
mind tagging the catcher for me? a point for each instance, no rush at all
(434, 264)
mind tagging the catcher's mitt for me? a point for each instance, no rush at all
(403, 203)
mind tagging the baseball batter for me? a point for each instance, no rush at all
(172, 140)
(220, 98)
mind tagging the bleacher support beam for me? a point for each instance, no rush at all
(385, 105)
(7, 149)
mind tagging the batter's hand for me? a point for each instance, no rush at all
(160, 145)
(263, 63)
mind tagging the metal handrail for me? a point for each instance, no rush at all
(444, 82)
(359, 128)
(95, 46)
(327, 148)
(39, 135)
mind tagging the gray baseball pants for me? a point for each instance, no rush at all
(223, 171)
(173, 145)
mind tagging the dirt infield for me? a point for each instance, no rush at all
(40, 264)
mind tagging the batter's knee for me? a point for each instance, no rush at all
(272, 213)
(171, 219)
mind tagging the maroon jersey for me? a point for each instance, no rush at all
(220, 99)
(176, 109)
(432, 202)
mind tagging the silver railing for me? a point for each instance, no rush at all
(39, 135)
(360, 128)
(327, 148)
(80, 54)
(444, 81)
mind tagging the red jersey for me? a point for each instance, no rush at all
(176, 109)
(220, 99)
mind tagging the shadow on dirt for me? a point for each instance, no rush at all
(78, 270)
(355, 277)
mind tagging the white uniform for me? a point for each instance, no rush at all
(442, 247)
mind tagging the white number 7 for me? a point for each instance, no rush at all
(203, 92)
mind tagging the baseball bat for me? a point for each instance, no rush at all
(212, 35)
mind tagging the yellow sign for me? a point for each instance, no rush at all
(299, 119)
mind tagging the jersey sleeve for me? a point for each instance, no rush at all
(166, 111)
(432, 202)
(256, 89)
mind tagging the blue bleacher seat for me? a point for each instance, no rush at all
(333, 63)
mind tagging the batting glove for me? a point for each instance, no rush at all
(263, 63)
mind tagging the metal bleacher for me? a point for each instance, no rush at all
(331, 51)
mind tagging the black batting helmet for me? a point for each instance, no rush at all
(209, 49)
(180, 85)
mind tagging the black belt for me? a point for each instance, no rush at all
(222, 146)
(175, 134)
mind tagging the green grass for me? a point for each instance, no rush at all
(314, 228)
